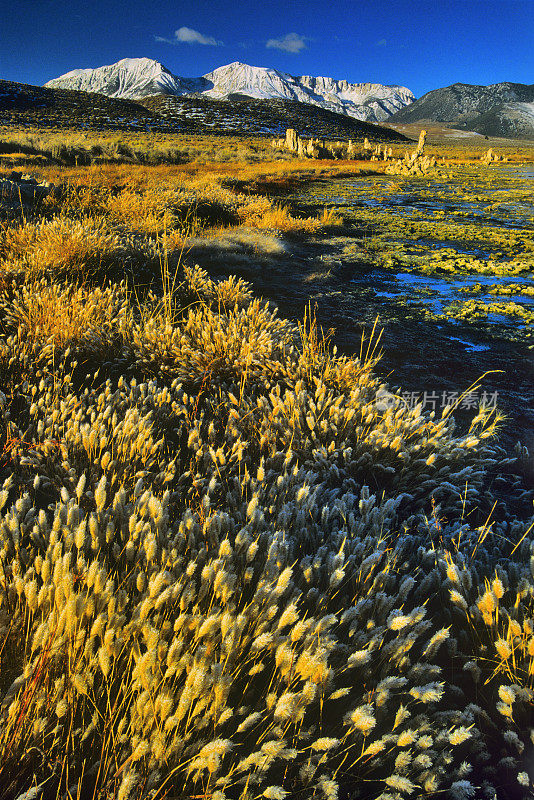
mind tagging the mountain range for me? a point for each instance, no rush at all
(42, 107)
(501, 109)
(135, 78)
(238, 99)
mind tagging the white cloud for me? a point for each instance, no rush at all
(188, 36)
(290, 43)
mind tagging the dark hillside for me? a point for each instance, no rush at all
(502, 109)
(22, 104)
(263, 118)
(37, 106)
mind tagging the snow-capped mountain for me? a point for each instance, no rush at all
(364, 101)
(130, 78)
(140, 77)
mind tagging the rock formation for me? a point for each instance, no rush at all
(409, 165)
(490, 157)
(314, 148)
(291, 139)
(420, 145)
(19, 188)
(294, 143)
(415, 163)
(380, 155)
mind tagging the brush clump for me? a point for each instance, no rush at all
(66, 247)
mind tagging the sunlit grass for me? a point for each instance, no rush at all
(67, 315)
(61, 246)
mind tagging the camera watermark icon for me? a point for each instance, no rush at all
(386, 400)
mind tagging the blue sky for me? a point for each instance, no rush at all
(421, 44)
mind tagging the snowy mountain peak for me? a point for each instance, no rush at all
(139, 77)
(129, 78)
(238, 68)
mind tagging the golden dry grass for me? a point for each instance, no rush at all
(61, 246)
(67, 315)
(146, 213)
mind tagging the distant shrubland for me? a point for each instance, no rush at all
(76, 148)
(73, 148)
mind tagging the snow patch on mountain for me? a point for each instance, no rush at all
(527, 109)
(134, 78)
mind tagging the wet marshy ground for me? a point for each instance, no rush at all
(447, 263)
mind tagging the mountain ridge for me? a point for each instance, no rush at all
(135, 78)
(499, 109)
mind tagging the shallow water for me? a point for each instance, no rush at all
(444, 290)
(428, 197)
(425, 280)
(444, 244)
(470, 346)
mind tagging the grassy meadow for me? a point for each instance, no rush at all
(229, 570)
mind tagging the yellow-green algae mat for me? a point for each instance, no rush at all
(461, 242)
